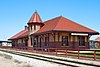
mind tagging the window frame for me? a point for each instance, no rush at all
(65, 41)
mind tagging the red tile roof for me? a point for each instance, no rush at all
(23, 33)
(64, 24)
(35, 18)
(56, 24)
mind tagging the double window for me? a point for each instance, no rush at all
(64, 40)
(34, 27)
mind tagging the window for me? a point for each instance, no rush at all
(34, 27)
(46, 41)
(64, 40)
(81, 41)
(31, 27)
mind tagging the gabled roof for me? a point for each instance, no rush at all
(23, 33)
(35, 18)
(97, 39)
(64, 24)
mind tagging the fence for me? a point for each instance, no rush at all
(92, 54)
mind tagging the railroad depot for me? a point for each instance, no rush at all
(58, 32)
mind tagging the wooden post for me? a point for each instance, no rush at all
(33, 49)
(66, 53)
(78, 54)
(42, 50)
(48, 51)
(54, 36)
(58, 37)
(48, 39)
(56, 51)
(36, 50)
(94, 54)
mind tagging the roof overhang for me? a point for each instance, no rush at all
(89, 33)
(35, 23)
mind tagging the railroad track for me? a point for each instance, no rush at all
(51, 59)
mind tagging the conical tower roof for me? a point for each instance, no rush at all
(35, 18)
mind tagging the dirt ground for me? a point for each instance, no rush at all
(8, 62)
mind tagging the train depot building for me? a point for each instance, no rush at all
(58, 32)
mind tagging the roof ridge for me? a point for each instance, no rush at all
(58, 21)
(51, 19)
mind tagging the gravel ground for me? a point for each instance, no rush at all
(8, 62)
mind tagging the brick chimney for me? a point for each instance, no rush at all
(25, 27)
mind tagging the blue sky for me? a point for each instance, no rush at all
(14, 14)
